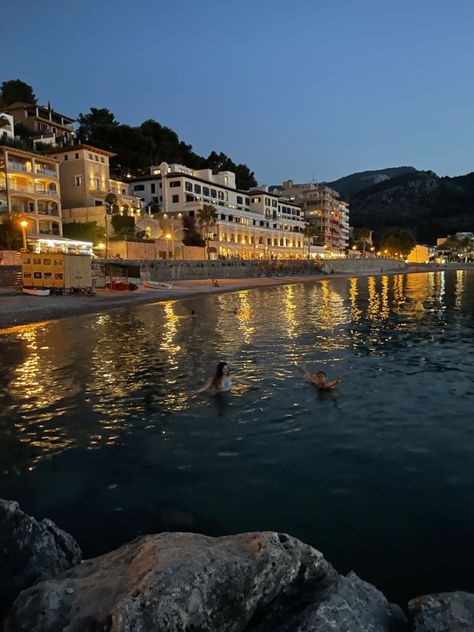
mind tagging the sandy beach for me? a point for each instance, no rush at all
(17, 309)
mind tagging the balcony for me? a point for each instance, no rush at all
(46, 172)
(21, 188)
(18, 166)
(46, 193)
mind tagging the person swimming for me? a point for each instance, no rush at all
(320, 380)
(222, 380)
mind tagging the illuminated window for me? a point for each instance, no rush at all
(78, 180)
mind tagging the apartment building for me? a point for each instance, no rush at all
(84, 173)
(253, 224)
(325, 210)
(49, 126)
(30, 190)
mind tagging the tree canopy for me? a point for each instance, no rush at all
(16, 90)
(137, 148)
(398, 241)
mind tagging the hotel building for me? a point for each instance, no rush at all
(48, 126)
(84, 173)
(30, 190)
(325, 210)
(253, 224)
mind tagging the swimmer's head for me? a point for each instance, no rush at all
(321, 375)
(222, 368)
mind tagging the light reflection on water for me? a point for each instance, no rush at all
(100, 411)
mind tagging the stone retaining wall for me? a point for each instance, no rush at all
(10, 275)
(378, 264)
(234, 269)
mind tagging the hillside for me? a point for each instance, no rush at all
(420, 201)
(349, 185)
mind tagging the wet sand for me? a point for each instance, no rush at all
(18, 309)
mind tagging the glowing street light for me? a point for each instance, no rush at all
(24, 226)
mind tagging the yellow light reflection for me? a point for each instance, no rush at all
(353, 293)
(459, 288)
(244, 317)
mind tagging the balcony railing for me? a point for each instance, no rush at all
(47, 193)
(46, 211)
(46, 172)
(22, 188)
(18, 166)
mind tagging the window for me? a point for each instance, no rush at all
(96, 158)
(274, 203)
(189, 198)
(188, 187)
(255, 200)
(205, 191)
(78, 180)
(197, 188)
(90, 157)
(99, 203)
(175, 199)
(140, 187)
(97, 183)
(153, 188)
(154, 199)
(213, 193)
(247, 201)
(239, 199)
(175, 183)
(101, 159)
(37, 275)
(66, 157)
(77, 156)
(222, 216)
(221, 195)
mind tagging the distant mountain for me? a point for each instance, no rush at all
(349, 185)
(420, 201)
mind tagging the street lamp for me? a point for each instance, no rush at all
(24, 225)
(169, 236)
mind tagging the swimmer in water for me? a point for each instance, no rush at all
(222, 380)
(320, 380)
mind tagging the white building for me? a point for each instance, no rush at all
(251, 224)
(7, 126)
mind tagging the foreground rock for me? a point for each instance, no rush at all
(181, 582)
(30, 551)
(443, 612)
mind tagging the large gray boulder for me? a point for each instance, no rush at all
(349, 605)
(181, 582)
(443, 612)
(30, 551)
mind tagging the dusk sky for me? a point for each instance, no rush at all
(302, 89)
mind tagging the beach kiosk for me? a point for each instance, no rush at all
(56, 268)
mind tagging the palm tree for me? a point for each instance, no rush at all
(309, 231)
(207, 217)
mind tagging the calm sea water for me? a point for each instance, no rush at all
(100, 429)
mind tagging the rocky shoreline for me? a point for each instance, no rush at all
(172, 582)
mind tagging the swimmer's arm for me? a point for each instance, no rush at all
(205, 387)
(329, 385)
(240, 380)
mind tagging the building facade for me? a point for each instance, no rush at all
(30, 190)
(84, 173)
(49, 126)
(253, 224)
(325, 210)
